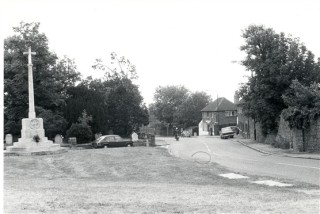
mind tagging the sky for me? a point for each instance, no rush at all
(191, 43)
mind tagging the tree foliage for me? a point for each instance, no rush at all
(114, 102)
(189, 113)
(176, 105)
(303, 104)
(93, 100)
(120, 67)
(125, 106)
(54, 122)
(81, 130)
(51, 79)
(168, 100)
(275, 60)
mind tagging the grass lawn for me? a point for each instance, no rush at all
(139, 180)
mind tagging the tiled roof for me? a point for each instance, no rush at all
(220, 104)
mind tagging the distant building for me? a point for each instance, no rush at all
(216, 115)
(250, 129)
(243, 122)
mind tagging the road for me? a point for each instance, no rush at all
(239, 158)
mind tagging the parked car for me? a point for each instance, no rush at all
(226, 133)
(111, 141)
(185, 134)
(235, 129)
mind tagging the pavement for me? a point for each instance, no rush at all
(260, 147)
(268, 149)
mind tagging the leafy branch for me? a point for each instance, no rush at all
(304, 104)
(121, 67)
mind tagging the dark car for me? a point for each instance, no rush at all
(226, 133)
(111, 141)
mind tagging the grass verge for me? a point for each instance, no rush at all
(138, 180)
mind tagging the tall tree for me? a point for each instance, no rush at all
(274, 60)
(190, 110)
(89, 95)
(65, 75)
(48, 81)
(114, 102)
(119, 67)
(167, 101)
(125, 106)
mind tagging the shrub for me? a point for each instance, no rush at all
(81, 131)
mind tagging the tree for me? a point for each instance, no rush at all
(176, 105)
(114, 102)
(49, 77)
(274, 60)
(303, 104)
(190, 110)
(81, 130)
(54, 123)
(120, 67)
(93, 99)
(125, 106)
(65, 75)
(167, 101)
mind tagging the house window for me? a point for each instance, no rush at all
(230, 113)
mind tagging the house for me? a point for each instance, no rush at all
(216, 115)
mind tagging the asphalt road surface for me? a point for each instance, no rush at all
(239, 158)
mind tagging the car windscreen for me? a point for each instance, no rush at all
(225, 130)
(100, 139)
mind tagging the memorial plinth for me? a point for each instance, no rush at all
(33, 140)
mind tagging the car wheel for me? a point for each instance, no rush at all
(105, 146)
(129, 145)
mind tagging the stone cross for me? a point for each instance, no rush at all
(32, 113)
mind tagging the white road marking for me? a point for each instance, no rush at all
(310, 167)
(272, 183)
(209, 150)
(233, 176)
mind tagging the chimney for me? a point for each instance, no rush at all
(236, 98)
